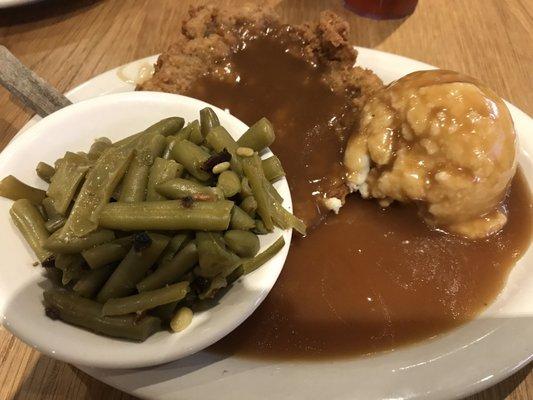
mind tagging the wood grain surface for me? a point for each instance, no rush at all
(68, 42)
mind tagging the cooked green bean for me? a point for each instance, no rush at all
(241, 220)
(87, 314)
(178, 242)
(145, 301)
(259, 136)
(242, 243)
(53, 225)
(107, 253)
(178, 188)
(136, 178)
(45, 171)
(229, 183)
(70, 171)
(192, 158)
(272, 191)
(246, 190)
(50, 209)
(95, 192)
(195, 133)
(165, 127)
(214, 257)
(167, 215)
(259, 228)
(162, 170)
(217, 283)
(98, 147)
(254, 173)
(12, 188)
(132, 269)
(208, 120)
(30, 223)
(272, 168)
(58, 243)
(219, 139)
(165, 312)
(254, 263)
(249, 205)
(92, 281)
(71, 266)
(181, 320)
(171, 271)
(236, 274)
(286, 220)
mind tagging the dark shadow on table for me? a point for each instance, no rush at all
(41, 13)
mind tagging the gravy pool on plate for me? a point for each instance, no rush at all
(367, 279)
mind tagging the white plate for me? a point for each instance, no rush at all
(15, 3)
(21, 285)
(453, 365)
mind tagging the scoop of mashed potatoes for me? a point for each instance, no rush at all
(441, 140)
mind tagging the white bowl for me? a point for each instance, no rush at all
(21, 285)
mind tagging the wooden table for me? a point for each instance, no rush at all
(68, 42)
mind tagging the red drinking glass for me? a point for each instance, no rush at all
(382, 9)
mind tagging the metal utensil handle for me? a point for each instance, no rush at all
(32, 90)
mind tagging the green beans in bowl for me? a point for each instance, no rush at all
(149, 232)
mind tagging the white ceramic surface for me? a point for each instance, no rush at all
(453, 365)
(16, 3)
(21, 285)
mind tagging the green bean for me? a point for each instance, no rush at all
(236, 274)
(53, 225)
(165, 312)
(12, 188)
(98, 147)
(178, 242)
(272, 168)
(95, 192)
(161, 171)
(30, 223)
(171, 271)
(92, 281)
(45, 171)
(259, 136)
(192, 157)
(87, 314)
(246, 190)
(71, 266)
(132, 269)
(107, 253)
(219, 139)
(253, 171)
(70, 171)
(249, 205)
(145, 301)
(214, 258)
(165, 127)
(167, 215)
(217, 283)
(259, 228)
(136, 179)
(50, 209)
(241, 220)
(242, 243)
(229, 183)
(208, 120)
(58, 243)
(178, 188)
(181, 320)
(195, 134)
(254, 263)
(280, 216)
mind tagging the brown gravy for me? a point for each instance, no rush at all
(368, 279)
